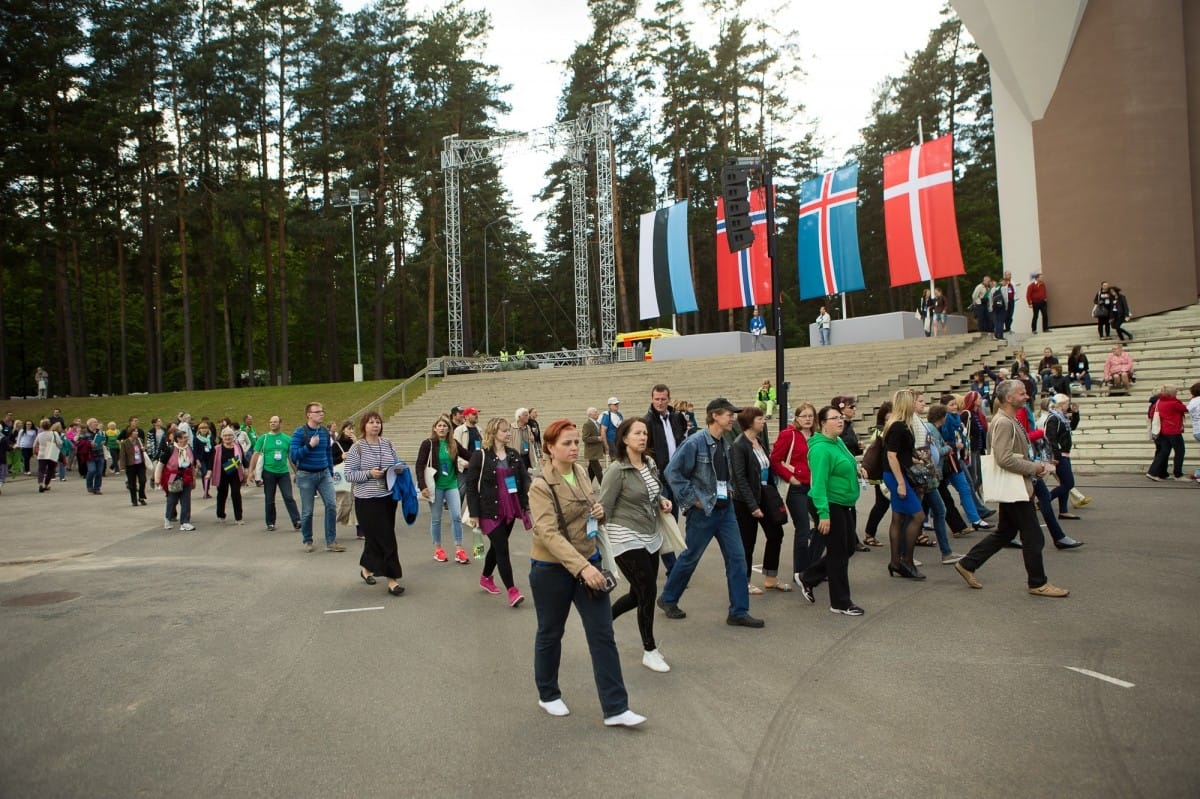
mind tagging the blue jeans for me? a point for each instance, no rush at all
(1066, 481)
(95, 474)
(450, 495)
(283, 482)
(698, 532)
(824, 331)
(309, 484)
(554, 590)
(937, 509)
(966, 497)
(1046, 506)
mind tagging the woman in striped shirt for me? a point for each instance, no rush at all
(367, 464)
(631, 493)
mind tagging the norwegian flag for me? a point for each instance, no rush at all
(828, 230)
(918, 212)
(744, 278)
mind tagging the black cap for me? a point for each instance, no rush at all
(455, 411)
(722, 404)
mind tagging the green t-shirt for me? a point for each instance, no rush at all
(446, 473)
(273, 448)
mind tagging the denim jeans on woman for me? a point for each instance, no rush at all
(937, 510)
(554, 591)
(454, 505)
(1066, 481)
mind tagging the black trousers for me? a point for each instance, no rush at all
(748, 527)
(1014, 518)
(229, 488)
(135, 481)
(834, 564)
(1040, 308)
(641, 570)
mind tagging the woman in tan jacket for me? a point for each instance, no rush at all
(566, 571)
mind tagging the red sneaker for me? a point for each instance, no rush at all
(439, 555)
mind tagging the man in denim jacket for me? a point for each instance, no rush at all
(699, 476)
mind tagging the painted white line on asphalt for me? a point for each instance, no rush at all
(1100, 676)
(352, 610)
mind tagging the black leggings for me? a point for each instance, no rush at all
(882, 506)
(641, 570)
(497, 554)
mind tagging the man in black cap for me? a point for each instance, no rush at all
(699, 476)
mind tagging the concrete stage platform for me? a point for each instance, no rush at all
(881, 327)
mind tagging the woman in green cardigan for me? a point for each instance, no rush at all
(834, 492)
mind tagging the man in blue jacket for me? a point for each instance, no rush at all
(699, 476)
(312, 453)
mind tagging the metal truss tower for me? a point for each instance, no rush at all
(590, 131)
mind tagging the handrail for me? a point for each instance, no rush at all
(401, 389)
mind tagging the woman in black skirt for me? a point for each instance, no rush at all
(368, 462)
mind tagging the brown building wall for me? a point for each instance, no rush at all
(1117, 156)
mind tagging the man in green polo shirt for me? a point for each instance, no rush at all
(272, 449)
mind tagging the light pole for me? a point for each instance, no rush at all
(504, 321)
(352, 198)
(487, 320)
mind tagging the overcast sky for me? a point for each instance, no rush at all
(847, 48)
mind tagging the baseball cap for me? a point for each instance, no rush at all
(613, 401)
(455, 410)
(471, 410)
(722, 404)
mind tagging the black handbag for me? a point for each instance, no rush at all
(773, 507)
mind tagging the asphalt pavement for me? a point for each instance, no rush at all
(230, 663)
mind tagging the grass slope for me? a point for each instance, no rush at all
(339, 400)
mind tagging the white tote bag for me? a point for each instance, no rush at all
(1000, 485)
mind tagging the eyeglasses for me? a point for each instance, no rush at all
(835, 418)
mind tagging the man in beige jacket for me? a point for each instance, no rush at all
(1010, 447)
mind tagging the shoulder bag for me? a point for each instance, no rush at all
(1001, 485)
(610, 579)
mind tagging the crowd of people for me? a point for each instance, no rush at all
(605, 498)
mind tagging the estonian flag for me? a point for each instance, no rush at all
(664, 267)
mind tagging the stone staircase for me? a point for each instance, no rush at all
(1111, 436)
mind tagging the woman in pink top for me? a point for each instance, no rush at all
(1118, 368)
(1171, 413)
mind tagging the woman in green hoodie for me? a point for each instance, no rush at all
(834, 492)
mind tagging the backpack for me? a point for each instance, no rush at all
(873, 459)
(998, 300)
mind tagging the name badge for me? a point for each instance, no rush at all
(278, 455)
(510, 483)
(722, 489)
(524, 446)
(763, 476)
(593, 527)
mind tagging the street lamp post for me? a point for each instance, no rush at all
(487, 320)
(353, 197)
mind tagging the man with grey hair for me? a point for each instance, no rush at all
(1010, 447)
(593, 444)
(524, 441)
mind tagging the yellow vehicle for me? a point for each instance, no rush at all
(645, 338)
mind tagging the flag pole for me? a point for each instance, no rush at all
(932, 288)
(781, 386)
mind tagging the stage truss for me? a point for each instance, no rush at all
(590, 131)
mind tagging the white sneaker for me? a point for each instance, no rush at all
(187, 528)
(951, 559)
(653, 660)
(555, 707)
(166, 524)
(626, 719)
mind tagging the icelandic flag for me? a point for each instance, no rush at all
(664, 266)
(744, 278)
(918, 213)
(828, 254)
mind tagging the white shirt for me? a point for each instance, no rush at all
(1193, 407)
